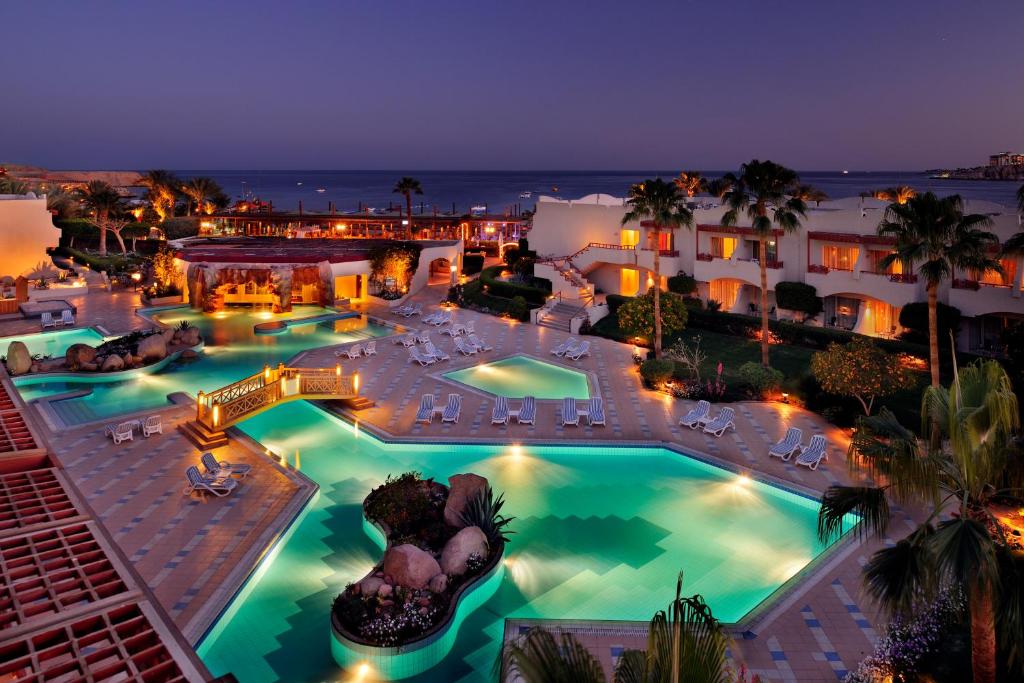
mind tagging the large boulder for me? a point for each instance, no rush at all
(19, 360)
(459, 547)
(153, 348)
(370, 585)
(438, 584)
(112, 363)
(78, 355)
(410, 566)
(463, 487)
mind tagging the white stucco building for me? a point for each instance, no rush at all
(26, 230)
(836, 249)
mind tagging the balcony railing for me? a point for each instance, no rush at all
(904, 278)
(972, 285)
(817, 268)
(664, 252)
(705, 257)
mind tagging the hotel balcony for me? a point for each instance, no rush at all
(670, 262)
(896, 290)
(975, 298)
(707, 268)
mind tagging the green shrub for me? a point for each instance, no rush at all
(510, 256)
(682, 284)
(472, 263)
(798, 296)
(181, 227)
(637, 316)
(614, 301)
(760, 379)
(914, 318)
(657, 370)
(534, 293)
(519, 309)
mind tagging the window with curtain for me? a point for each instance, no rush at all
(723, 247)
(875, 258)
(838, 258)
(1003, 279)
(725, 292)
(630, 238)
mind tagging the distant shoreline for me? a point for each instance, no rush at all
(993, 173)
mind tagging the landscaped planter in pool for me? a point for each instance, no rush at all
(519, 376)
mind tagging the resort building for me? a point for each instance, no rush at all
(26, 231)
(586, 250)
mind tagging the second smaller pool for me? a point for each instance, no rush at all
(519, 376)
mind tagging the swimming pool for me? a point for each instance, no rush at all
(519, 376)
(232, 350)
(601, 533)
(55, 343)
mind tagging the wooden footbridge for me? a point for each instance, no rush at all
(227, 406)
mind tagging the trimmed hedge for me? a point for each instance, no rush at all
(657, 370)
(472, 263)
(508, 290)
(914, 317)
(682, 284)
(798, 296)
(517, 307)
(614, 301)
(112, 263)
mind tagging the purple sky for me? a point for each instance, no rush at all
(816, 85)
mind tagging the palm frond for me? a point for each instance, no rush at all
(869, 503)
(965, 552)
(631, 668)
(901, 577)
(540, 657)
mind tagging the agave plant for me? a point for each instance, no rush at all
(484, 511)
(184, 325)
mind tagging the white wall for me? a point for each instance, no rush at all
(26, 230)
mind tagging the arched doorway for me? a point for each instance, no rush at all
(440, 271)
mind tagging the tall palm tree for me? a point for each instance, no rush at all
(935, 236)
(763, 191)
(661, 204)
(900, 194)
(685, 644)
(200, 191)
(101, 199)
(163, 189)
(957, 474)
(809, 193)
(408, 186)
(717, 187)
(690, 182)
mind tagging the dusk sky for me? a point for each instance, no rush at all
(511, 85)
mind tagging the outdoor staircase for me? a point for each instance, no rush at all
(204, 438)
(560, 315)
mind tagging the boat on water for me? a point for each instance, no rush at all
(525, 195)
(298, 183)
(845, 172)
(478, 210)
(321, 190)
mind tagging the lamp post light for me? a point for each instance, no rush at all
(454, 274)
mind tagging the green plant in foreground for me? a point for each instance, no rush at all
(484, 511)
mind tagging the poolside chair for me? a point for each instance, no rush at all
(414, 354)
(499, 416)
(813, 453)
(426, 409)
(570, 416)
(123, 432)
(46, 320)
(66, 317)
(222, 469)
(582, 350)
(468, 328)
(721, 422)
(596, 413)
(350, 353)
(463, 348)
(527, 413)
(408, 340)
(789, 444)
(152, 425)
(400, 310)
(564, 346)
(453, 330)
(370, 349)
(435, 352)
(479, 343)
(453, 409)
(199, 483)
(415, 310)
(423, 337)
(697, 415)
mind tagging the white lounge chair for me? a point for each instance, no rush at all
(426, 410)
(423, 338)
(442, 319)
(595, 415)
(46, 320)
(564, 346)
(453, 409)
(468, 327)
(123, 432)
(434, 352)
(696, 416)
(813, 453)
(464, 348)
(199, 483)
(351, 352)
(429, 318)
(789, 444)
(152, 425)
(414, 354)
(527, 413)
(582, 350)
(66, 317)
(499, 416)
(222, 469)
(408, 340)
(721, 422)
(370, 349)
(453, 330)
(570, 416)
(479, 343)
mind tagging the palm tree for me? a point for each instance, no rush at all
(763, 190)
(685, 644)
(201, 191)
(100, 198)
(717, 187)
(661, 204)
(163, 189)
(408, 186)
(690, 182)
(956, 474)
(900, 194)
(1015, 244)
(935, 236)
(808, 193)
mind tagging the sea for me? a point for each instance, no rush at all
(511, 192)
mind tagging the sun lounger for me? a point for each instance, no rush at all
(582, 350)
(426, 410)
(442, 319)
(463, 348)
(423, 338)
(66, 318)
(499, 416)
(370, 349)
(479, 343)
(468, 328)
(813, 453)
(223, 469)
(453, 409)
(570, 416)
(453, 330)
(123, 432)
(434, 352)
(788, 445)
(351, 352)
(46, 320)
(527, 413)
(201, 484)
(407, 340)
(564, 346)
(721, 422)
(414, 354)
(693, 419)
(152, 425)
(595, 415)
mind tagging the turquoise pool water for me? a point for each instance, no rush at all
(600, 534)
(519, 376)
(232, 351)
(54, 344)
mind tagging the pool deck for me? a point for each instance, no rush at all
(194, 554)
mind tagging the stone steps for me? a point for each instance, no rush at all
(203, 439)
